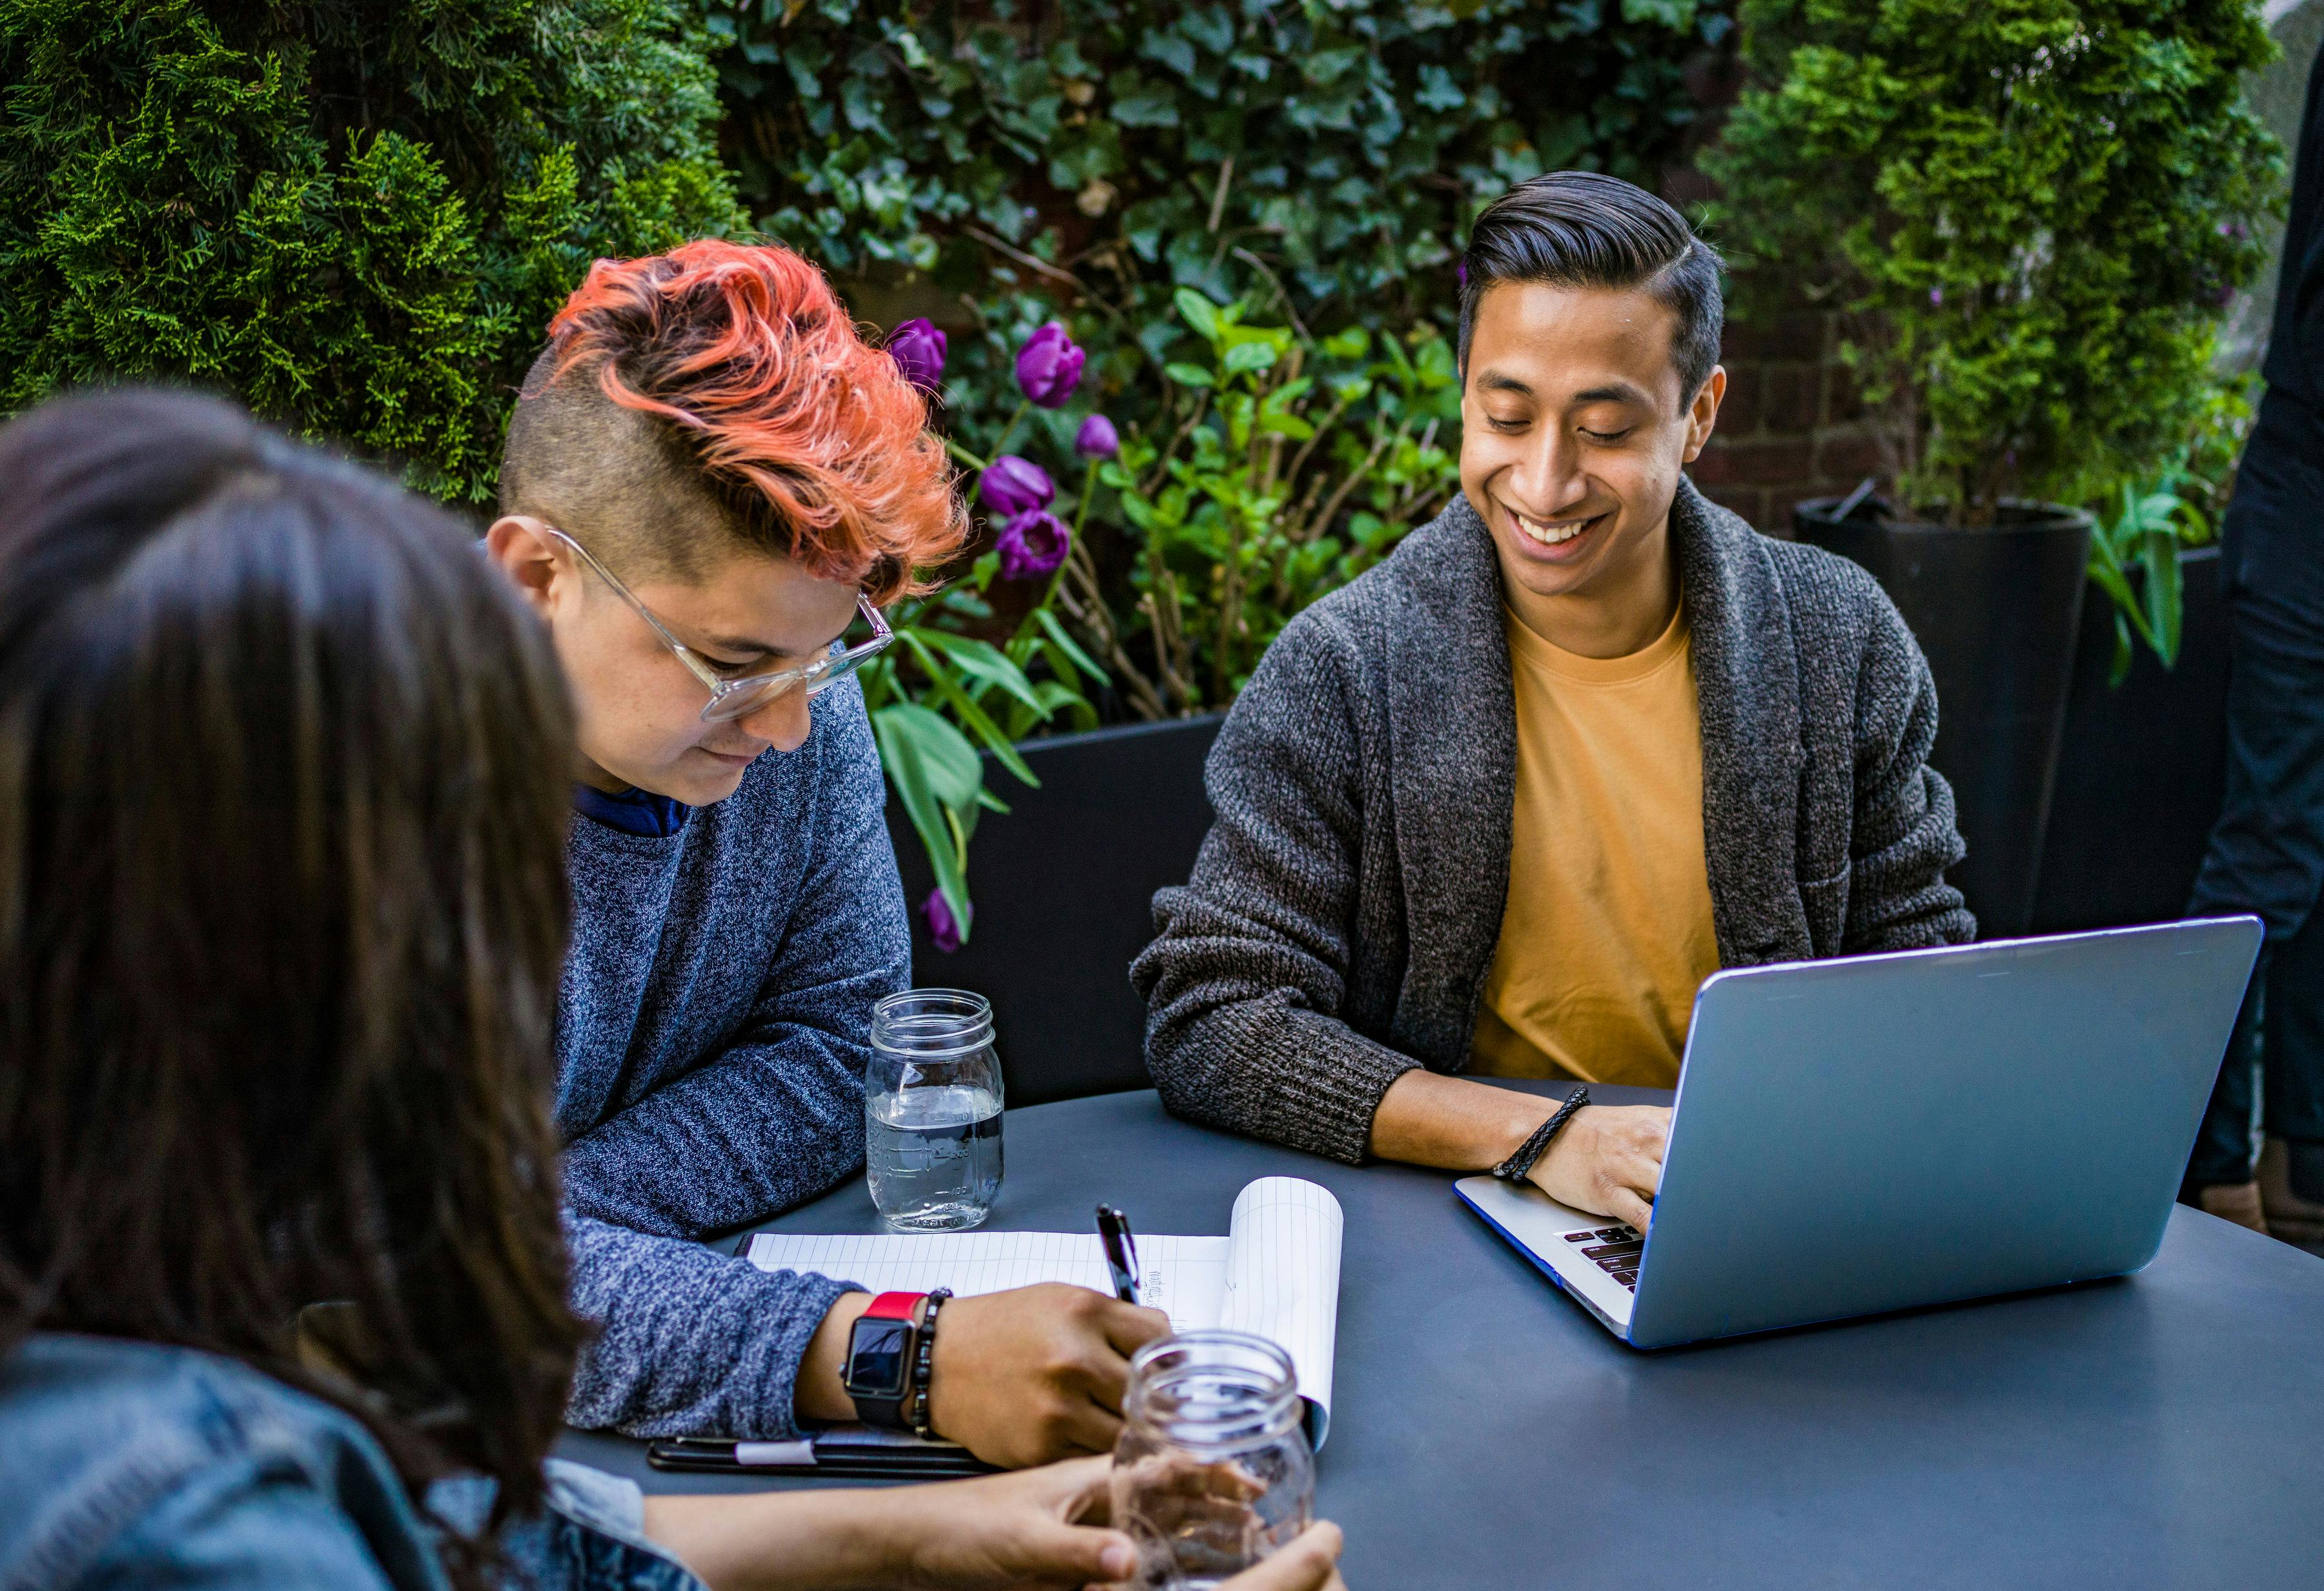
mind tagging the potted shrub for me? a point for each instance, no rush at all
(2027, 218)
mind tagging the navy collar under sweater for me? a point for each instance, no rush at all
(632, 811)
(711, 1036)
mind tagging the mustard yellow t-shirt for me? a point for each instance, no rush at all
(1607, 933)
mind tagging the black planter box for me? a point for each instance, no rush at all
(1997, 611)
(2140, 769)
(1063, 885)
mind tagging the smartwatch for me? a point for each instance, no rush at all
(880, 1348)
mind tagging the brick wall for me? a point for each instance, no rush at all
(1791, 427)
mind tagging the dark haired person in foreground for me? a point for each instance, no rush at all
(710, 478)
(1498, 806)
(282, 775)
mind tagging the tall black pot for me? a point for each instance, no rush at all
(1996, 610)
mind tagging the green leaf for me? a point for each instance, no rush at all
(1249, 357)
(1189, 375)
(1065, 643)
(1676, 15)
(984, 662)
(2165, 596)
(1059, 697)
(1198, 312)
(972, 717)
(935, 770)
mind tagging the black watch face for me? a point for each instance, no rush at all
(879, 1360)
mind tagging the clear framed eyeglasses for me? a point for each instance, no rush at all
(736, 698)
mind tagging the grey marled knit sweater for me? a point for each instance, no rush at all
(1343, 912)
(711, 1033)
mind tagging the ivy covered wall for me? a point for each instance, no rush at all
(957, 159)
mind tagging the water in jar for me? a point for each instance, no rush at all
(934, 1156)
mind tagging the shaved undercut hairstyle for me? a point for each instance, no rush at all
(1584, 229)
(718, 399)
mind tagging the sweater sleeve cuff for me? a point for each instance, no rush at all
(1324, 1083)
(689, 1342)
(767, 1392)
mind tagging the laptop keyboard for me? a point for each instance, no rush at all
(1615, 1250)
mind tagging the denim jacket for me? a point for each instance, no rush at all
(131, 1464)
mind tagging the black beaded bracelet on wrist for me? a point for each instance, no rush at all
(1520, 1166)
(924, 1364)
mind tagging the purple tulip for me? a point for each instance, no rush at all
(1049, 366)
(1032, 544)
(1097, 438)
(917, 348)
(1015, 487)
(944, 932)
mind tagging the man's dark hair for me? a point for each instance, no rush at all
(283, 772)
(1584, 229)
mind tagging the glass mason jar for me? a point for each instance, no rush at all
(1212, 1471)
(932, 1110)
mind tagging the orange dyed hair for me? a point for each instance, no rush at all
(811, 440)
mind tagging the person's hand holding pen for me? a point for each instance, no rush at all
(1076, 1343)
(1019, 1377)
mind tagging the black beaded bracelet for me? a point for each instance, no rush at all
(1520, 1166)
(924, 1365)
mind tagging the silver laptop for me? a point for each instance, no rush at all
(1890, 1131)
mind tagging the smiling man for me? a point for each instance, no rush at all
(711, 482)
(1501, 804)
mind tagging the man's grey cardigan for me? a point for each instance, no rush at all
(1344, 909)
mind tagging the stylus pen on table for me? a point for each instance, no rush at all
(1120, 1252)
(890, 1461)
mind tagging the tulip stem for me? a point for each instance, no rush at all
(1089, 490)
(1009, 429)
(965, 456)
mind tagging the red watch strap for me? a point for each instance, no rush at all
(894, 1306)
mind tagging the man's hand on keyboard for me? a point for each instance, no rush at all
(1607, 1161)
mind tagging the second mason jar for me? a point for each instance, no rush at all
(1212, 1471)
(932, 1105)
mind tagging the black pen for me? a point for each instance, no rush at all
(1120, 1252)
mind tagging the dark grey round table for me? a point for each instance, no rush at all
(2165, 1430)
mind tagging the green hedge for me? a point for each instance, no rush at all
(358, 217)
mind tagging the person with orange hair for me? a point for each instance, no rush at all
(712, 483)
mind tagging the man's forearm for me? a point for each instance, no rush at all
(1454, 1122)
(824, 1539)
